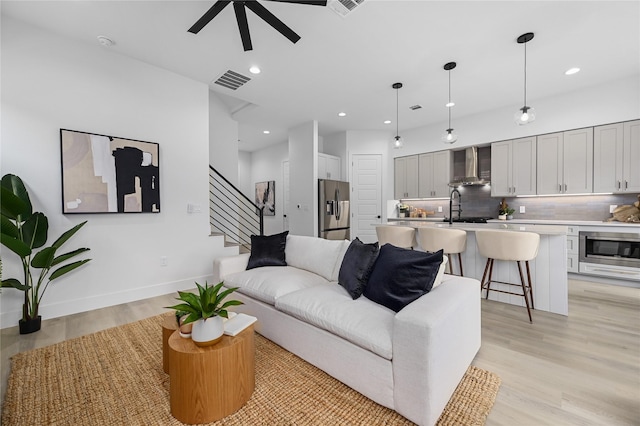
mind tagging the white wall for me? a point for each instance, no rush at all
(223, 139)
(303, 175)
(608, 103)
(336, 144)
(266, 164)
(50, 82)
(244, 173)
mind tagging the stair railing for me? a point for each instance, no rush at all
(231, 212)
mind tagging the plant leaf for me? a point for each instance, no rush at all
(64, 237)
(191, 299)
(34, 230)
(14, 283)
(13, 184)
(67, 256)
(183, 307)
(44, 258)
(67, 268)
(8, 227)
(15, 245)
(231, 303)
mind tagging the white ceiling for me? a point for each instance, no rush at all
(349, 64)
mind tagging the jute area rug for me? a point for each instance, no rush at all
(115, 377)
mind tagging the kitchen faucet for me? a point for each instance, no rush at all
(459, 210)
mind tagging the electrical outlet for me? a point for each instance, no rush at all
(439, 209)
(612, 208)
(522, 209)
(164, 261)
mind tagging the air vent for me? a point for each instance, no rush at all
(415, 107)
(232, 80)
(344, 7)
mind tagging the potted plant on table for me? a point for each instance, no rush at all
(206, 311)
(504, 211)
(23, 231)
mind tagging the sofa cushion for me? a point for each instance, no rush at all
(361, 321)
(316, 255)
(268, 250)
(356, 266)
(271, 282)
(401, 276)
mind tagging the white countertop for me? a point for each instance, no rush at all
(560, 222)
(498, 224)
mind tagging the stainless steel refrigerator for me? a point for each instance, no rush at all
(333, 202)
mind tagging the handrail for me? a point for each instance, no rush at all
(234, 187)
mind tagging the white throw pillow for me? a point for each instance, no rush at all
(440, 273)
(313, 254)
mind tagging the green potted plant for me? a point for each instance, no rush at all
(206, 310)
(23, 231)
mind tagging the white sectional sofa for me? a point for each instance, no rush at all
(410, 361)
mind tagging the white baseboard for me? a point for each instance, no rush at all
(69, 307)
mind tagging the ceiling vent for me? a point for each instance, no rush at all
(344, 7)
(415, 107)
(232, 80)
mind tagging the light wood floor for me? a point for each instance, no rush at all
(578, 370)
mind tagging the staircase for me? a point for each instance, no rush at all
(233, 214)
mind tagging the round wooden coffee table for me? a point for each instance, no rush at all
(213, 382)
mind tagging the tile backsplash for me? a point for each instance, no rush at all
(477, 201)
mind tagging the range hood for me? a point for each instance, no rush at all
(471, 170)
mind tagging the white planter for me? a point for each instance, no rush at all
(502, 216)
(207, 332)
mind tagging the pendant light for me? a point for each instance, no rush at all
(526, 114)
(449, 137)
(397, 140)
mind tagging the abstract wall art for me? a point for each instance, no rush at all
(107, 174)
(266, 196)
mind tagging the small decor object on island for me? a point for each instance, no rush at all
(206, 311)
(23, 231)
(403, 210)
(505, 212)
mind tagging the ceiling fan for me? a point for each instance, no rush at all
(241, 16)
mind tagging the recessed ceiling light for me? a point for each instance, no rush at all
(266, 132)
(105, 41)
(387, 121)
(342, 114)
(572, 71)
(254, 69)
(449, 104)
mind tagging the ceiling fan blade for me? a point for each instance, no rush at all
(209, 15)
(243, 25)
(271, 19)
(309, 2)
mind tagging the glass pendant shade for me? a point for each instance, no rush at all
(449, 136)
(398, 142)
(524, 115)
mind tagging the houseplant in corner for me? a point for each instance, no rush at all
(206, 310)
(23, 231)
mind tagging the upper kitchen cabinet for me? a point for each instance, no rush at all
(565, 162)
(513, 167)
(434, 174)
(616, 157)
(406, 177)
(328, 167)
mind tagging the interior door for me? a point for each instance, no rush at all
(366, 196)
(285, 193)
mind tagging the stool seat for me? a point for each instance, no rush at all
(509, 246)
(451, 241)
(399, 236)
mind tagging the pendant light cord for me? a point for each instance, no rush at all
(397, 107)
(525, 75)
(449, 98)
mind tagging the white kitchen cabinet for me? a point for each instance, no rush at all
(329, 167)
(565, 162)
(513, 167)
(572, 249)
(406, 177)
(434, 174)
(616, 157)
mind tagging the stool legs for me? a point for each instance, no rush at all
(450, 264)
(530, 286)
(527, 287)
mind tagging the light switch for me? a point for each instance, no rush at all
(522, 209)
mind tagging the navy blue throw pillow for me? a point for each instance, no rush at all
(401, 276)
(356, 266)
(268, 250)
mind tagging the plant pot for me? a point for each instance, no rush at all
(509, 216)
(185, 329)
(502, 216)
(31, 325)
(207, 332)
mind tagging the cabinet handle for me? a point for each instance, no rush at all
(626, 184)
(618, 184)
(565, 187)
(514, 189)
(560, 187)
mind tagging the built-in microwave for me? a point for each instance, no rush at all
(610, 253)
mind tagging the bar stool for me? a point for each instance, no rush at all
(513, 246)
(451, 241)
(399, 236)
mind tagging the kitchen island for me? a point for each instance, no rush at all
(548, 269)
